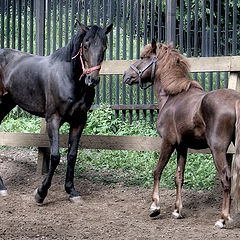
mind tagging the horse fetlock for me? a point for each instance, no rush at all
(39, 196)
(154, 209)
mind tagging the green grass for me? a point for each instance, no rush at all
(127, 167)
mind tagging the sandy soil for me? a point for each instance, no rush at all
(108, 211)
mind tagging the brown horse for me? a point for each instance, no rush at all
(189, 118)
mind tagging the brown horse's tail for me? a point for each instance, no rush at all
(235, 186)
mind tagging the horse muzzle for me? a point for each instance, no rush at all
(127, 79)
(90, 81)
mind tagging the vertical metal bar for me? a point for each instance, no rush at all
(171, 22)
(60, 11)
(13, 23)
(188, 28)
(145, 17)
(234, 36)
(211, 42)
(104, 24)
(98, 6)
(19, 24)
(66, 21)
(203, 39)
(196, 34)
(8, 24)
(226, 48)
(181, 26)
(48, 27)
(160, 21)
(73, 9)
(91, 12)
(152, 36)
(218, 85)
(111, 7)
(31, 27)
(85, 12)
(131, 56)
(54, 24)
(2, 23)
(138, 53)
(25, 26)
(40, 26)
(124, 54)
(118, 9)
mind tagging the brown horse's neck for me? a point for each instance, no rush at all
(160, 94)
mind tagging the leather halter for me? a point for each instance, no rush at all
(140, 72)
(85, 70)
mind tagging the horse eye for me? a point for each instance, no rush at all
(85, 47)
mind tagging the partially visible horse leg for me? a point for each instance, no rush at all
(223, 169)
(179, 177)
(5, 107)
(74, 136)
(53, 125)
(165, 153)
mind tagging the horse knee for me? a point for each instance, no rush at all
(55, 160)
(226, 179)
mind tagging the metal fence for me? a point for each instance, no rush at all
(198, 28)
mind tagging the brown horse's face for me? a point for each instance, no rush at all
(94, 46)
(142, 69)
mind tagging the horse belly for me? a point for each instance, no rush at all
(27, 92)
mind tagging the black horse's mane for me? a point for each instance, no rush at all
(66, 53)
(71, 49)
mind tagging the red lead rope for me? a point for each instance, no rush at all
(85, 70)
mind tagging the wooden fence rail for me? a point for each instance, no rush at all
(135, 143)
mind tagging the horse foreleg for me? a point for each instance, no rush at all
(74, 136)
(165, 153)
(179, 176)
(53, 132)
(225, 176)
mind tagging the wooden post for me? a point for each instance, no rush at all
(43, 154)
(234, 81)
(170, 35)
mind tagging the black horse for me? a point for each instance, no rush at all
(59, 88)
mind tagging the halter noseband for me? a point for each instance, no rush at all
(140, 72)
(85, 70)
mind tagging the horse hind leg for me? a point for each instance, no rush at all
(165, 153)
(179, 176)
(6, 105)
(223, 169)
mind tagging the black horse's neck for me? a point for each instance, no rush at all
(71, 49)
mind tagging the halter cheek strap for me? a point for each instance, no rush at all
(85, 70)
(140, 72)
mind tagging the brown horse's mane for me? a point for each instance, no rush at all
(173, 69)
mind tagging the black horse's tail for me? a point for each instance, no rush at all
(235, 186)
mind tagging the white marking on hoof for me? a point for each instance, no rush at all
(229, 219)
(220, 224)
(3, 193)
(176, 214)
(37, 198)
(154, 210)
(77, 199)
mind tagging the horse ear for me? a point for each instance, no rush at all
(154, 45)
(171, 45)
(82, 26)
(108, 29)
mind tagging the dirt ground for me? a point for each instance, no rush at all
(108, 211)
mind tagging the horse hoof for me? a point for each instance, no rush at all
(220, 224)
(77, 199)
(37, 197)
(154, 210)
(177, 215)
(3, 193)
